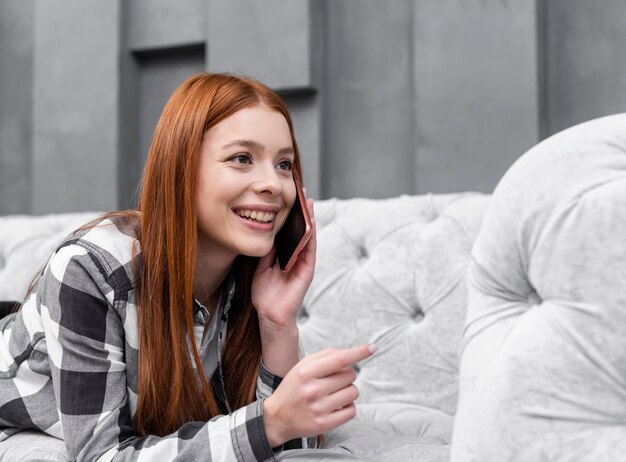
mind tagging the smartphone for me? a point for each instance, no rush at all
(296, 231)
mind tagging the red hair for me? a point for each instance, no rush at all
(170, 393)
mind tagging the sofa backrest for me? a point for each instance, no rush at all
(392, 271)
(26, 241)
(543, 357)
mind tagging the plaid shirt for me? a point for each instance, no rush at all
(68, 365)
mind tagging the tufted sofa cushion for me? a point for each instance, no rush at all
(25, 244)
(393, 271)
(543, 370)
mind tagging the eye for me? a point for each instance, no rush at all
(285, 165)
(242, 158)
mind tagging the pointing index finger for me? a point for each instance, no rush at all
(341, 359)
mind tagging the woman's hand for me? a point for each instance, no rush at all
(277, 296)
(316, 396)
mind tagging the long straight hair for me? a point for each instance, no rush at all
(172, 388)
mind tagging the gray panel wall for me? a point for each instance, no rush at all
(159, 24)
(401, 96)
(75, 107)
(16, 63)
(368, 113)
(162, 43)
(476, 90)
(585, 60)
(267, 40)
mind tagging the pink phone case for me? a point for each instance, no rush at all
(307, 220)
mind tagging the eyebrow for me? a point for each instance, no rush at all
(255, 145)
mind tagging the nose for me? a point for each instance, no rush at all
(267, 180)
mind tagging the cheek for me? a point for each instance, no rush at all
(290, 194)
(290, 197)
(292, 200)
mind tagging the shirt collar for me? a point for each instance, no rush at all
(201, 313)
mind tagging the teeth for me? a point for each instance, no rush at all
(263, 217)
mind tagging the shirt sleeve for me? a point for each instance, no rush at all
(267, 382)
(79, 297)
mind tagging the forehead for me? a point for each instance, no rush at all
(256, 123)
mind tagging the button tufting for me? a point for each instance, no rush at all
(362, 252)
(417, 316)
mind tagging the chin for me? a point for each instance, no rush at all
(257, 251)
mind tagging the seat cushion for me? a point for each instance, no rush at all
(543, 369)
(33, 446)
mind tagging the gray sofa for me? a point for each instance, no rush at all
(539, 337)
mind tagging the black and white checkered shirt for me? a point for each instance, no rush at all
(68, 365)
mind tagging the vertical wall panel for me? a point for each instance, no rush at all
(75, 105)
(393, 97)
(269, 41)
(368, 99)
(16, 74)
(159, 75)
(476, 91)
(304, 110)
(162, 43)
(585, 60)
(157, 24)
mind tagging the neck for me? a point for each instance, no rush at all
(211, 270)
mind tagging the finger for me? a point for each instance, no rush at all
(338, 417)
(267, 261)
(334, 362)
(320, 354)
(311, 246)
(337, 381)
(310, 206)
(340, 399)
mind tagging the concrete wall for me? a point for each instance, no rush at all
(585, 65)
(75, 105)
(401, 96)
(476, 91)
(16, 71)
(368, 111)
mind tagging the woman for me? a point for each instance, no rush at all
(170, 331)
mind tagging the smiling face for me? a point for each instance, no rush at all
(245, 184)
